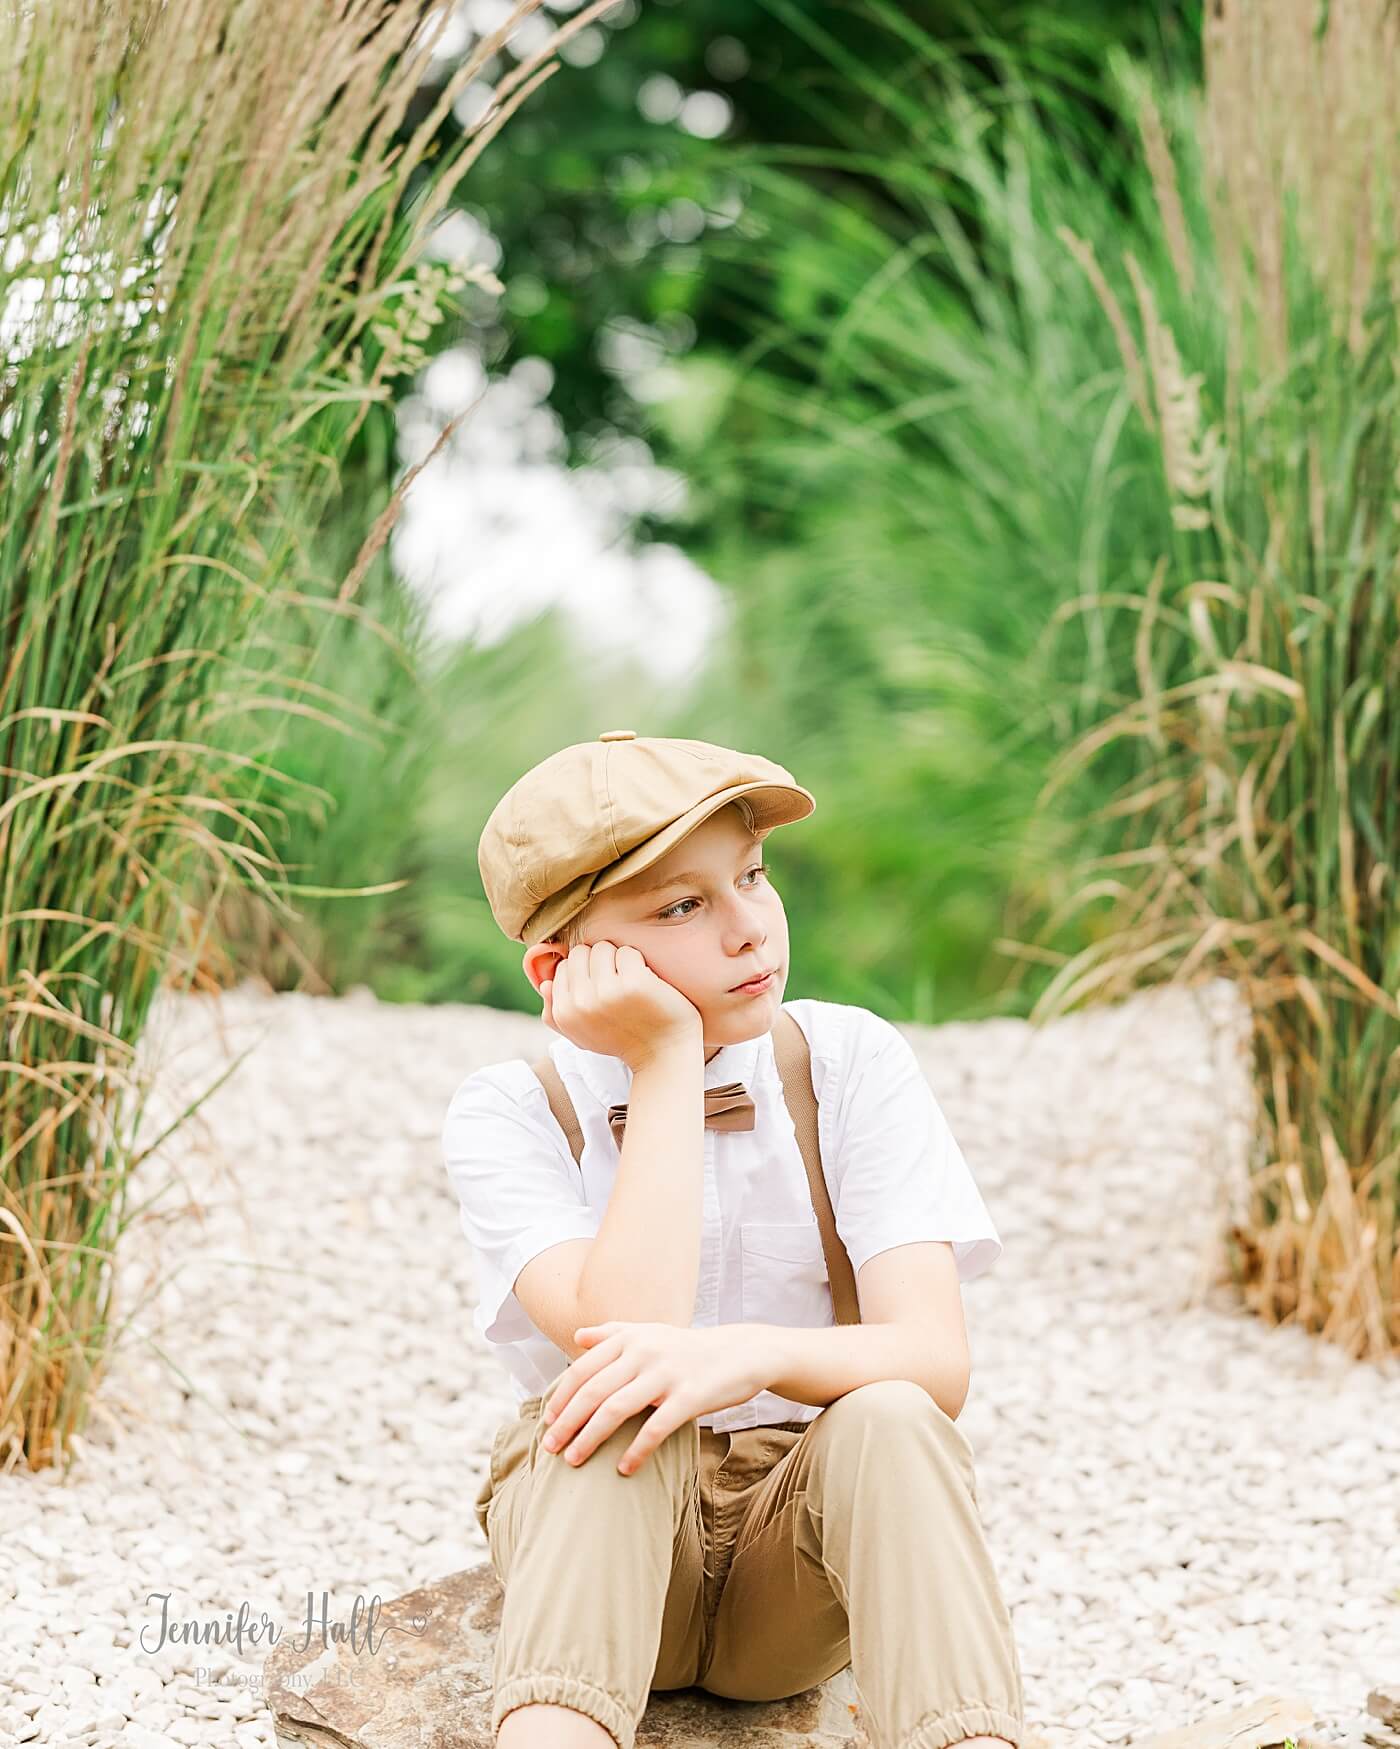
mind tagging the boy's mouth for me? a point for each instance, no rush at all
(755, 986)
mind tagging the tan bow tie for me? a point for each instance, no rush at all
(728, 1107)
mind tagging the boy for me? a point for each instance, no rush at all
(705, 1481)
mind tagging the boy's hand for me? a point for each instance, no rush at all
(628, 1366)
(607, 999)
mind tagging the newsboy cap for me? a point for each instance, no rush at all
(598, 812)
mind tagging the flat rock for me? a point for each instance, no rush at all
(421, 1679)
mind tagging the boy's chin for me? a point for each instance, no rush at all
(744, 1021)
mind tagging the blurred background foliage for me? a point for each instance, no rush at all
(609, 207)
(688, 227)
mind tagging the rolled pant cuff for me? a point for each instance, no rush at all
(559, 1688)
(969, 1721)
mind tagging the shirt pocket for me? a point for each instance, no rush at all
(783, 1274)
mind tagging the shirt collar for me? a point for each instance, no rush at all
(738, 1062)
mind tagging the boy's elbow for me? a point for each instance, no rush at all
(955, 1392)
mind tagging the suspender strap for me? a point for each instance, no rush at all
(561, 1105)
(794, 1060)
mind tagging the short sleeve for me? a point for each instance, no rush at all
(518, 1188)
(901, 1175)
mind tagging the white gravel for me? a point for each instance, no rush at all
(1186, 1508)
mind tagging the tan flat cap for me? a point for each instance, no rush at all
(598, 812)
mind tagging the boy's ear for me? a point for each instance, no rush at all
(540, 960)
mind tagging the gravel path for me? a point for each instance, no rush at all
(1186, 1508)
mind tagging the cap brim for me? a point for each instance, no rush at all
(773, 804)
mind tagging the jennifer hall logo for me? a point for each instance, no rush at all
(360, 1630)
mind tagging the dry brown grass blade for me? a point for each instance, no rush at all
(1083, 253)
(1352, 973)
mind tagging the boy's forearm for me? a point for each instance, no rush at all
(820, 1364)
(644, 1264)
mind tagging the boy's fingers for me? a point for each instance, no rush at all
(595, 1424)
(583, 1443)
(646, 1443)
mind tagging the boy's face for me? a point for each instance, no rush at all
(703, 933)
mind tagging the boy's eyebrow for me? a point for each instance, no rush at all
(689, 877)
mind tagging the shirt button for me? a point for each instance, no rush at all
(618, 735)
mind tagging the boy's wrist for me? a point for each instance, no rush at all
(679, 1047)
(767, 1348)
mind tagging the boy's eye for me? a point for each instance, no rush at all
(673, 910)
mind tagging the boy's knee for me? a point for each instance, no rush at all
(888, 1402)
(678, 1453)
(895, 1409)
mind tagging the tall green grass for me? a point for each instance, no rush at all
(1260, 836)
(212, 218)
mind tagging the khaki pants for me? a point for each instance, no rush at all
(755, 1564)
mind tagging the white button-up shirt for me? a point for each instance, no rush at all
(893, 1170)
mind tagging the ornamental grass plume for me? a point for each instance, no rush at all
(212, 225)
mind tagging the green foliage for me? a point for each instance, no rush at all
(605, 216)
